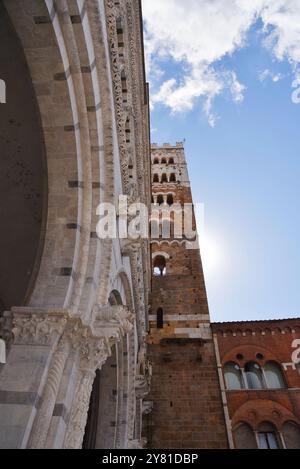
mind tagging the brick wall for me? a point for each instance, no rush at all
(262, 342)
(187, 410)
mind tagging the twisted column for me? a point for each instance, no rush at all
(42, 420)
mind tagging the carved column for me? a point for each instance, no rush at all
(94, 345)
(42, 421)
(93, 353)
(43, 328)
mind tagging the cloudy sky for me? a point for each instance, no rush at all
(225, 76)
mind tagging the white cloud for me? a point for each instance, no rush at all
(275, 77)
(197, 34)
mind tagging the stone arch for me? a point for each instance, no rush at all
(160, 253)
(249, 352)
(263, 410)
(70, 77)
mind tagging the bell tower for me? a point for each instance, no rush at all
(187, 407)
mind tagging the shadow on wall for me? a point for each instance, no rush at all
(23, 175)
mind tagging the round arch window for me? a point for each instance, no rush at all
(233, 376)
(254, 376)
(274, 376)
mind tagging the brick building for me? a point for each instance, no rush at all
(260, 382)
(187, 409)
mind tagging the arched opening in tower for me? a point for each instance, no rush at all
(23, 174)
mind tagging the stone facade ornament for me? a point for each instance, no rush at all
(94, 346)
(31, 326)
(78, 416)
(137, 444)
(113, 321)
(147, 407)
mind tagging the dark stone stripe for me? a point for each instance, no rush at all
(88, 68)
(94, 235)
(74, 226)
(75, 184)
(19, 398)
(60, 411)
(71, 128)
(65, 271)
(46, 19)
(96, 185)
(62, 76)
(98, 148)
(75, 19)
(42, 20)
(94, 108)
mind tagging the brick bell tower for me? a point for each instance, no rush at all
(187, 408)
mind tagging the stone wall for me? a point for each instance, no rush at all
(96, 134)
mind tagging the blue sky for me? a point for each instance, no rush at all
(243, 151)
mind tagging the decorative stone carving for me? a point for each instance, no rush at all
(113, 321)
(31, 326)
(111, 17)
(141, 386)
(92, 353)
(43, 418)
(147, 407)
(137, 444)
(75, 430)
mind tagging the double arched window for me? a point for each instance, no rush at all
(253, 376)
(267, 436)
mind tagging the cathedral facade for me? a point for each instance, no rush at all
(74, 135)
(106, 340)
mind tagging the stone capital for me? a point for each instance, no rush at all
(33, 326)
(112, 322)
